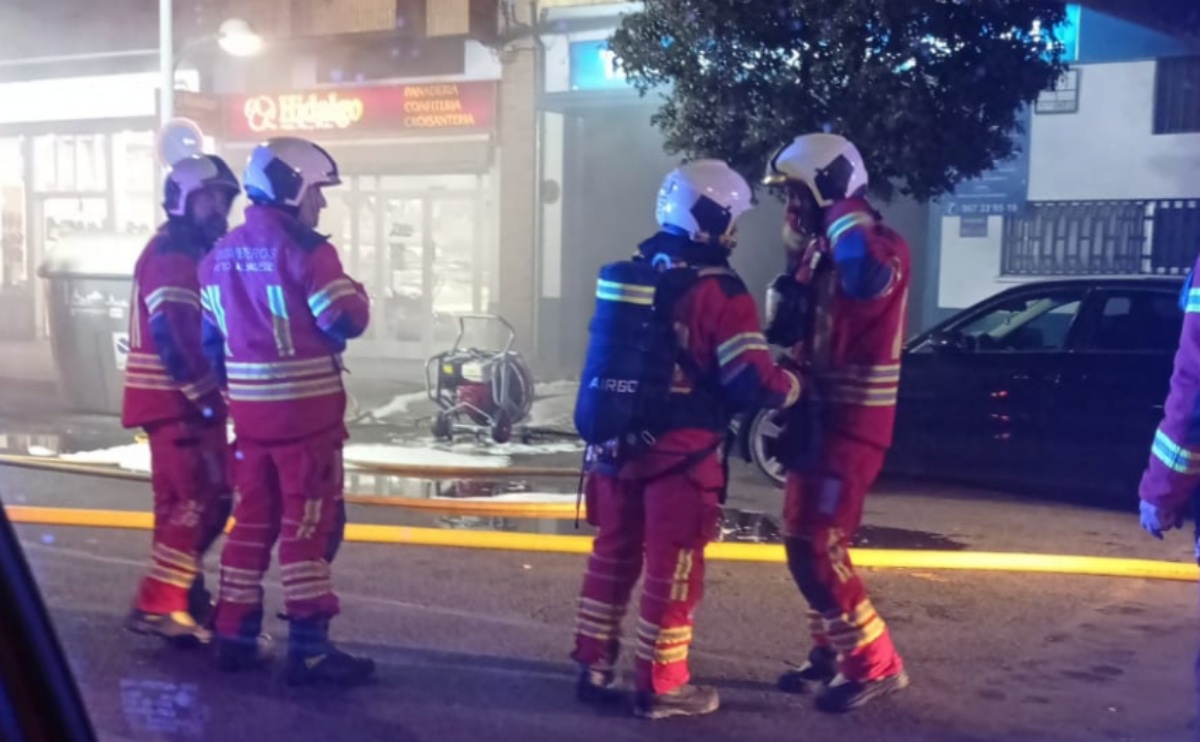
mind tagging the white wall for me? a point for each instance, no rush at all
(970, 266)
(1105, 151)
(1108, 149)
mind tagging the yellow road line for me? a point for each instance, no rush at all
(765, 553)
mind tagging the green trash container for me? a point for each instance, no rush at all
(89, 280)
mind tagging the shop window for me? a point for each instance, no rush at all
(70, 163)
(43, 163)
(134, 188)
(1177, 96)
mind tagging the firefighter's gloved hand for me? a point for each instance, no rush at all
(1156, 519)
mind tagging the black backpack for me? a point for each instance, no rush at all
(632, 353)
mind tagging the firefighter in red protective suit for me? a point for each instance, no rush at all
(171, 392)
(659, 507)
(277, 301)
(841, 308)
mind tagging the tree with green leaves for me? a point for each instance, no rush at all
(929, 90)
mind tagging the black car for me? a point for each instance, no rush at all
(1055, 384)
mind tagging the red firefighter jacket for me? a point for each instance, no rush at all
(858, 334)
(278, 311)
(167, 377)
(717, 325)
(1173, 473)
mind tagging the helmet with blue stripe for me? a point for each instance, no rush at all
(703, 199)
(281, 170)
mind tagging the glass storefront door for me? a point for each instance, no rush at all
(418, 244)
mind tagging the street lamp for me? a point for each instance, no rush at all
(235, 37)
(238, 39)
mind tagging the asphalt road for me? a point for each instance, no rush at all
(474, 644)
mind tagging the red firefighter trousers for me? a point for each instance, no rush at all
(293, 491)
(663, 523)
(189, 476)
(822, 510)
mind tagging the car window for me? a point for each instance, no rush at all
(1136, 320)
(1026, 323)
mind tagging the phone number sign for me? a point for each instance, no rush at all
(1002, 191)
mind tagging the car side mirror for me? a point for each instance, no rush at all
(949, 341)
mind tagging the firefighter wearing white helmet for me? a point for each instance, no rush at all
(280, 310)
(675, 345)
(704, 200)
(172, 392)
(290, 173)
(840, 309)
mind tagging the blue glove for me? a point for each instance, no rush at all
(1155, 520)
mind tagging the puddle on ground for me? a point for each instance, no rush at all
(386, 485)
(31, 444)
(884, 537)
(737, 526)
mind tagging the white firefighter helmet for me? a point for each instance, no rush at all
(704, 200)
(281, 170)
(191, 174)
(828, 164)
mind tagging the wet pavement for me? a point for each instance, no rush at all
(899, 514)
(473, 645)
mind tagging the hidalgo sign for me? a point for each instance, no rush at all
(354, 111)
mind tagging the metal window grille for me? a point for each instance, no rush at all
(1176, 226)
(1177, 96)
(1081, 238)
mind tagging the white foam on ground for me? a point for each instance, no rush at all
(553, 407)
(525, 497)
(40, 451)
(400, 405)
(368, 454)
(133, 457)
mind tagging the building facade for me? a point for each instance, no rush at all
(426, 104)
(1108, 182)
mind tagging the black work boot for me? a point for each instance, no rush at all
(249, 649)
(200, 602)
(597, 687)
(243, 653)
(843, 695)
(686, 700)
(178, 628)
(820, 669)
(314, 660)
